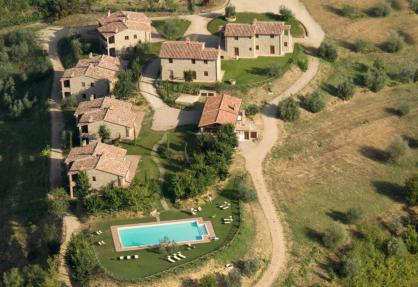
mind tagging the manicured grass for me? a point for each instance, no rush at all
(150, 261)
(248, 17)
(171, 29)
(147, 169)
(250, 71)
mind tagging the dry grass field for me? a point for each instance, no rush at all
(329, 162)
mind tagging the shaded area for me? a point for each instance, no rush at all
(394, 191)
(374, 154)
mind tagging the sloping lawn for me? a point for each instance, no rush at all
(248, 17)
(150, 260)
(171, 29)
(250, 71)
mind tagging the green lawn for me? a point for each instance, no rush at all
(146, 140)
(297, 29)
(171, 29)
(250, 71)
(150, 261)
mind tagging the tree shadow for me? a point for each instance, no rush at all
(313, 235)
(412, 142)
(393, 111)
(392, 190)
(258, 71)
(189, 282)
(348, 45)
(335, 10)
(338, 216)
(331, 89)
(374, 154)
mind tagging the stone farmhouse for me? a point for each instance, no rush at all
(224, 109)
(105, 165)
(91, 78)
(179, 57)
(257, 39)
(119, 32)
(118, 116)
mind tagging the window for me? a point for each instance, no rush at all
(170, 61)
(206, 73)
(236, 38)
(67, 94)
(256, 36)
(84, 96)
(135, 36)
(251, 49)
(112, 40)
(257, 47)
(171, 74)
(92, 85)
(85, 129)
(126, 37)
(272, 36)
(93, 178)
(250, 37)
(193, 61)
(285, 44)
(67, 83)
(83, 84)
(74, 177)
(205, 61)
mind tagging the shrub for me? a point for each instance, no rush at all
(104, 133)
(345, 90)
(350, 266)
(230, 11)
(405, 75)
(81, 259)
(414, 5)
(410, 238)
(403, 110)
(285, 13)
(382, 9)
(416, 76)
(69, 102)
(354, 215)
(411, 187)
(188, 76)
(361, 46)
(208, 281)
(397, 149)
(233, 279)
(395, 247)
(375, 79)
(334, 236)
(328, 51)
(167, 246)
(302, 63)
(245, 190)
(350, 12)
(125, 86)
(250, 267)
(314, 102)
(394, 43)
(274, 71)
(251, 110)
(288, 110)
(58, 202)
(82, 185)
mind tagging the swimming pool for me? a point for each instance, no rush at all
(139, 236)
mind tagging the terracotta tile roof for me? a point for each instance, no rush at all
(107, 109)
(99, 67)
(188, 50)
(99, 156)
(123, 20)
(256, 28)
(221, 109)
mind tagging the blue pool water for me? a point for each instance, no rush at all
(137, 236)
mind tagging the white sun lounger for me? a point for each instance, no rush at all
(136, 256)
(128, 257)
(120, 257)
(180, 255)
(227, 222)
(175, 257)
(170, 259)
(199, 208)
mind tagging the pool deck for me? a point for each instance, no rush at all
(206, 239)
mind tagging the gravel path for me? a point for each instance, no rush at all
(49, 38)
(254, 154)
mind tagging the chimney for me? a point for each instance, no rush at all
(90, 119)
(108, 13)
(90, 55)
(255, 21)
